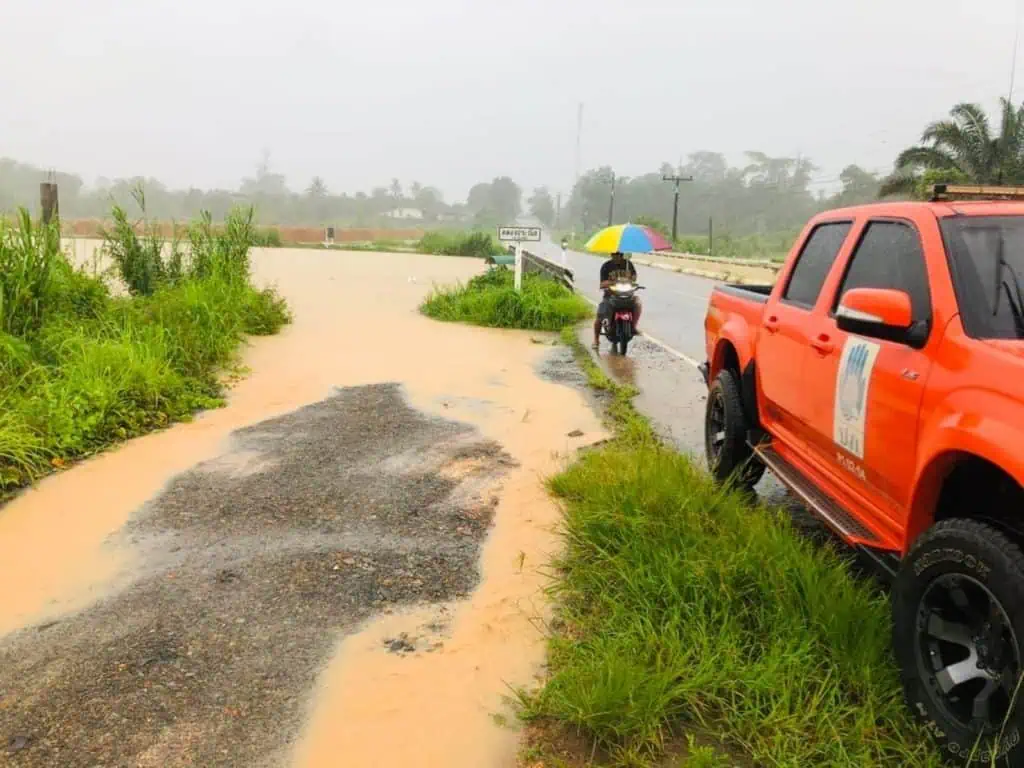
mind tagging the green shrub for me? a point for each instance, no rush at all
(491, 300)
(222, 251)
(28, 257)
(267, 238)
(87, 369)
(141, 260)
(473, 244)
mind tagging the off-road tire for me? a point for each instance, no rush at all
(728, 454)
(984, 555)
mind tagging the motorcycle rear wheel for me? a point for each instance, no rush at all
(624, 333)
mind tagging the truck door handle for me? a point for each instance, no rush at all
(771, 323)
(823, 343)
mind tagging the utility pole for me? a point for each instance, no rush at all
(48, 198)
(676, 178)
(611, 201)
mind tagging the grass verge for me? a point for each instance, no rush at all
(683, 609)
(474, 244)
(491, 300)
(81, 368)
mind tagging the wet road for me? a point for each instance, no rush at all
(672, 393)
(674, 304)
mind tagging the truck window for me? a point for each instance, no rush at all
(986, 254)
(814, 262)
(889, 255)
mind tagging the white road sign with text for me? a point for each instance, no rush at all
(519, 234)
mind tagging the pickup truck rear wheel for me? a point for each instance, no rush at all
(958, 627)
(725, 434)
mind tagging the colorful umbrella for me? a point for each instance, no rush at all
(627, 238)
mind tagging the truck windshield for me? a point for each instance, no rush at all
(987, 260)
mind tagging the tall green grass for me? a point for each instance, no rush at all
(684, 607)
(80, 368)
(491, 300)
(28, 257)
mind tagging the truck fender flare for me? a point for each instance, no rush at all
(746, 370)
(731, 335)
(952, 434)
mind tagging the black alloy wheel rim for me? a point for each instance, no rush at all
(967, 652)
(715, 428)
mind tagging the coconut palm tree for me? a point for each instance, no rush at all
(963, 149)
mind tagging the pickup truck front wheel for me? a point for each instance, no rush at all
(725, 434)
(958, 627)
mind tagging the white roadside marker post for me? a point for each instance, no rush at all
(519, 265)
(519, 235)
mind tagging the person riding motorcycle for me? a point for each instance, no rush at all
(616, 269)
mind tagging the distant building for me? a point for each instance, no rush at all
(405, 214)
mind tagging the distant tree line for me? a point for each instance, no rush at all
(765, 195)
(488, 203)
(768, 194)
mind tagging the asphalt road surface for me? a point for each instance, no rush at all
(671, 392)
(674, 304)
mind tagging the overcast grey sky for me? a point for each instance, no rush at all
(450, 92)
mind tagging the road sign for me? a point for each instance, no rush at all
(519, 234)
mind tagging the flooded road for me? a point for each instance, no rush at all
(343, 567)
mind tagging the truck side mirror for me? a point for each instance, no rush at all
(884, 313)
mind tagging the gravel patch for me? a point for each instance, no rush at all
(255, 565)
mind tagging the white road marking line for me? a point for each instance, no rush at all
(685, 358)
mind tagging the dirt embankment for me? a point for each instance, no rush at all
(343, 567)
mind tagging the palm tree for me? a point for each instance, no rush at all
(963, 149)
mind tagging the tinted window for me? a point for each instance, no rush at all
(814, 263)
(889, 255)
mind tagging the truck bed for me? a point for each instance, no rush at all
(758, 293)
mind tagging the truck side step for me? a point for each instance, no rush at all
(845, 524)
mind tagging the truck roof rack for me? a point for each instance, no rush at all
(943, 192)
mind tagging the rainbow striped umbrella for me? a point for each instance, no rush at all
(627, 238)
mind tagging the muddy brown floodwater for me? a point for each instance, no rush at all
(343, 567)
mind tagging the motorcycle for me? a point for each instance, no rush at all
(618, 325)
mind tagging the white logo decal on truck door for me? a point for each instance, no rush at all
(852, 384)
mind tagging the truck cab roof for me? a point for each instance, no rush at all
(938, 208)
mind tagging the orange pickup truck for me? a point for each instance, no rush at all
(881, 379)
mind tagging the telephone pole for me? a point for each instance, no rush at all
(675, 201)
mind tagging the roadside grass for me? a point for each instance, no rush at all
(685, 609)
(473, 244)
(770, 246)
(491, 300)
(81, 368)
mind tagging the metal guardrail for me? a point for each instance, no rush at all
(534, 264)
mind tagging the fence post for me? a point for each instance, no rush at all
(48, 200)
(711, 237)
